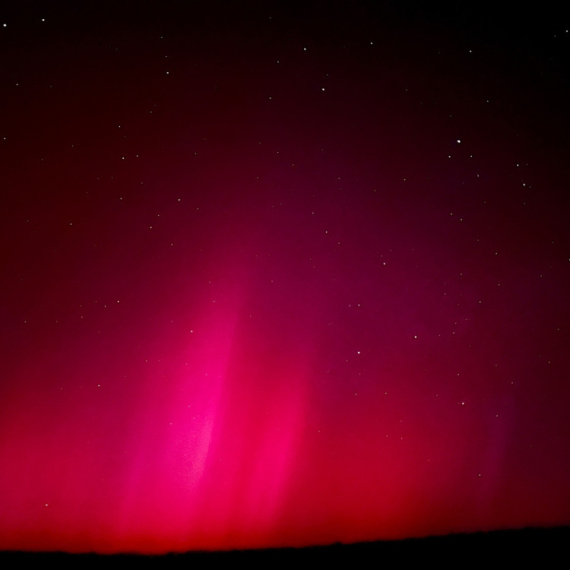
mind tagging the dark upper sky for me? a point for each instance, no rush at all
(281, 273)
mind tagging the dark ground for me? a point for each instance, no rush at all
(545, 548)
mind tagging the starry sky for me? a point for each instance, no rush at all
(281, 273)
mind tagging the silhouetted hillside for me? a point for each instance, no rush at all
(546, 547)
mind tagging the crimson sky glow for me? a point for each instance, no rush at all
(280, 275)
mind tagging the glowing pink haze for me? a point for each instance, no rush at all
(269, 285)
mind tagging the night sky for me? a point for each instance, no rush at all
(281, 273)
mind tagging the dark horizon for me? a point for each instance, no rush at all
(529, 545)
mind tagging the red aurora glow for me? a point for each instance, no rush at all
(273, 281)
